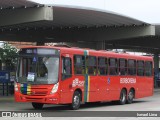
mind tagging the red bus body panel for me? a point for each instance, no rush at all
(99, 88)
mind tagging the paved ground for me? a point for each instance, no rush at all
(145, 104)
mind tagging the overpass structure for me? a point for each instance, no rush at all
(26, 21)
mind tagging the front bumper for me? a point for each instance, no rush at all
(47, 99)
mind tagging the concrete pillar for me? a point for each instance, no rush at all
(156, 68)
(101, 45)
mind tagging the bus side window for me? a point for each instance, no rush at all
(79, 65)
(131, 67)
(140, 68)
(91, 65)
(102, 66)
(113, 66)
(66, 68)
(122, 67)
(148, 68)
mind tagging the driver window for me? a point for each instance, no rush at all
(66, 68)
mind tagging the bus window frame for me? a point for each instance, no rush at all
(116, 66)
(125, 67)
(106, 65)
(151, 69)
(64, 75)
(95, 69)
(143, 68)
(83, 67)
(135, 68)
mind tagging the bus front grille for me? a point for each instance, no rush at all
(33, 99)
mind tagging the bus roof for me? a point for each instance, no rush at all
(76, 50)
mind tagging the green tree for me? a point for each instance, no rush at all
(8, 55)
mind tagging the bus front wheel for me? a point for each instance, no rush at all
(76, 100)
(37, 106)
(122, 99)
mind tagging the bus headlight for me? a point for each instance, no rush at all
(55, 88)
(15, 87)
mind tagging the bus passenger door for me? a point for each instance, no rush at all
(91, 83)
(66, 79)
(102, 88)
(102, 79)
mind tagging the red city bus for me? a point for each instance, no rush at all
(61, 75)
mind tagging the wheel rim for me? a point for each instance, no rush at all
(130, 95)
(123, 96)
(76, 100)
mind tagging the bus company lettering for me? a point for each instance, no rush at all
(77, 82)
(127, 80)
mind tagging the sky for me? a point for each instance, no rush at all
(144, 10)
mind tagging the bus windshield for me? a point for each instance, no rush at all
(38, 68)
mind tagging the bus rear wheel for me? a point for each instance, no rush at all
(37, 106)
(130, 96)
(123, 99)
(76, 100)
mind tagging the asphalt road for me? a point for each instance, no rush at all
(144, 104)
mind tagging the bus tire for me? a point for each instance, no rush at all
(76, 101)
(123, 98)
(37, 106)
(130, 96)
